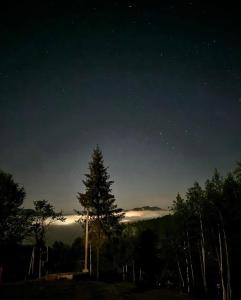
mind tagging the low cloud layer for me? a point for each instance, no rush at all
(133, 215)
(130, 216)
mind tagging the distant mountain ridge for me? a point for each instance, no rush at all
(142, 208)
(150, 208)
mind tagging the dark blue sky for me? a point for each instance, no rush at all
(157, 87)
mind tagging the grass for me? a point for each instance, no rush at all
(82, 290)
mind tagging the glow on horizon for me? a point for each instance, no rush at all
(130, 216)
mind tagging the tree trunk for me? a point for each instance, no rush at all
(180, 273)
(221, 265)
(133, 271)
(229, 290)
(31, 265)
(123, 273)
(85, 270)
(228, 287)
(40, 264)
(97, 262)
(90, 260)
(190, 259)
(140, 275)
(187, 269)
(203, 255)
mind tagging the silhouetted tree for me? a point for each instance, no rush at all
(43, 215)
(211, 219)
(100, 203)
(237, 171)
(13, 220)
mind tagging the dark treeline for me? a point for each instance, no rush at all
(196, 249)
(18, 226)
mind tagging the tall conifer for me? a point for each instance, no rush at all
(98, 200)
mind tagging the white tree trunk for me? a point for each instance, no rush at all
(40, 264)
(123, 273)
(190, 259)
(203, 255)
(180, 273)
(90, 260)
(229, 290)
(221, 266)
(133, 271)
(85, 270)
(187, 269)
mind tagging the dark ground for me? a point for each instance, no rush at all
(72, 290)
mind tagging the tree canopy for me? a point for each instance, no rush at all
(97, 197)
(42, 216)
(13, 220)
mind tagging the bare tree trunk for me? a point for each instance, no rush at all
(85, 270)
(133, 271)
(140, 275)
(90, 260)
(221, 265)
(203, 255)
(180, 273)
(46, 262)
(229, 290)
(31, 265)
(190, 259)
(187, 269)
(97, 262)
(123, 273)
(40, 263)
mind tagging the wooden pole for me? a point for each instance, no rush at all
(85, 270)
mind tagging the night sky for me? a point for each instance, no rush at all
(157, 87)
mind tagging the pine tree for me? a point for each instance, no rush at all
(99, 203)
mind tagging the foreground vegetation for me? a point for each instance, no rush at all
(63, 290)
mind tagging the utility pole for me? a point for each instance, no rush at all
(85, 270)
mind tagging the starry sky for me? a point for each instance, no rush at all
(156, 86)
